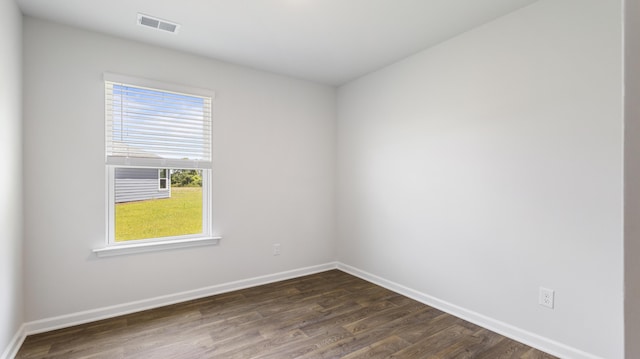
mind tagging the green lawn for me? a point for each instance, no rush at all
(181, 214)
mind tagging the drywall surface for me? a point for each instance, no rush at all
(632, 178)
(273, 174)
(486, 167)
(11, 179)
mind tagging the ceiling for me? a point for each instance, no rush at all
(327, 41)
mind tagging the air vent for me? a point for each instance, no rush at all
(159, 24)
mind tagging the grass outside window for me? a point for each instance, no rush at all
(181, 214)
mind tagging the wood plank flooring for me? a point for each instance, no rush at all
(326, 315)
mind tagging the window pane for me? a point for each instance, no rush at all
(143, 210)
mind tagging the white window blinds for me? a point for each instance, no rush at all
(147, 126)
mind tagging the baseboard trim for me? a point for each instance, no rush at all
(14, 345)
(510, 331)
(68, 320)
(534, 340)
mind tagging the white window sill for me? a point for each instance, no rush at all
(123, 249)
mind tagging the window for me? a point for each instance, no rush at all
(158, 161)
(163, 179)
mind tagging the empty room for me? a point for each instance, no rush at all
(320, 179)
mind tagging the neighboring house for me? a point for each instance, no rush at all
(138, 184)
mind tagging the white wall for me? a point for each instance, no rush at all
(11, 179)
(490, 165)
(274, 140)
(632, 178)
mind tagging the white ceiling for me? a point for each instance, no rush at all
(328, 41)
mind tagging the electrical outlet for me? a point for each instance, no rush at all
(276, 249)
(546, 297)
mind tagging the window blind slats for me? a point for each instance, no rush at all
(147, 93)
(146, 126)
(145, 103)
(163, 106)
(157, 119)
(144, 135)
(166, 147)
(154, 130)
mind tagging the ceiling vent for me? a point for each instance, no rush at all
(159, 24)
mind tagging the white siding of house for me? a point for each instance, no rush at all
(138, 184)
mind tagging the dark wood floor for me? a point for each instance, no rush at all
(326, 315)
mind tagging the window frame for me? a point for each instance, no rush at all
(166, 178)
(206, 237)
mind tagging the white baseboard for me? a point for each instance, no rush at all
(15, 344)
(515, 333)
(68, 320)
(534, 340)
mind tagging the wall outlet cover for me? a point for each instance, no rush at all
(546, 297)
